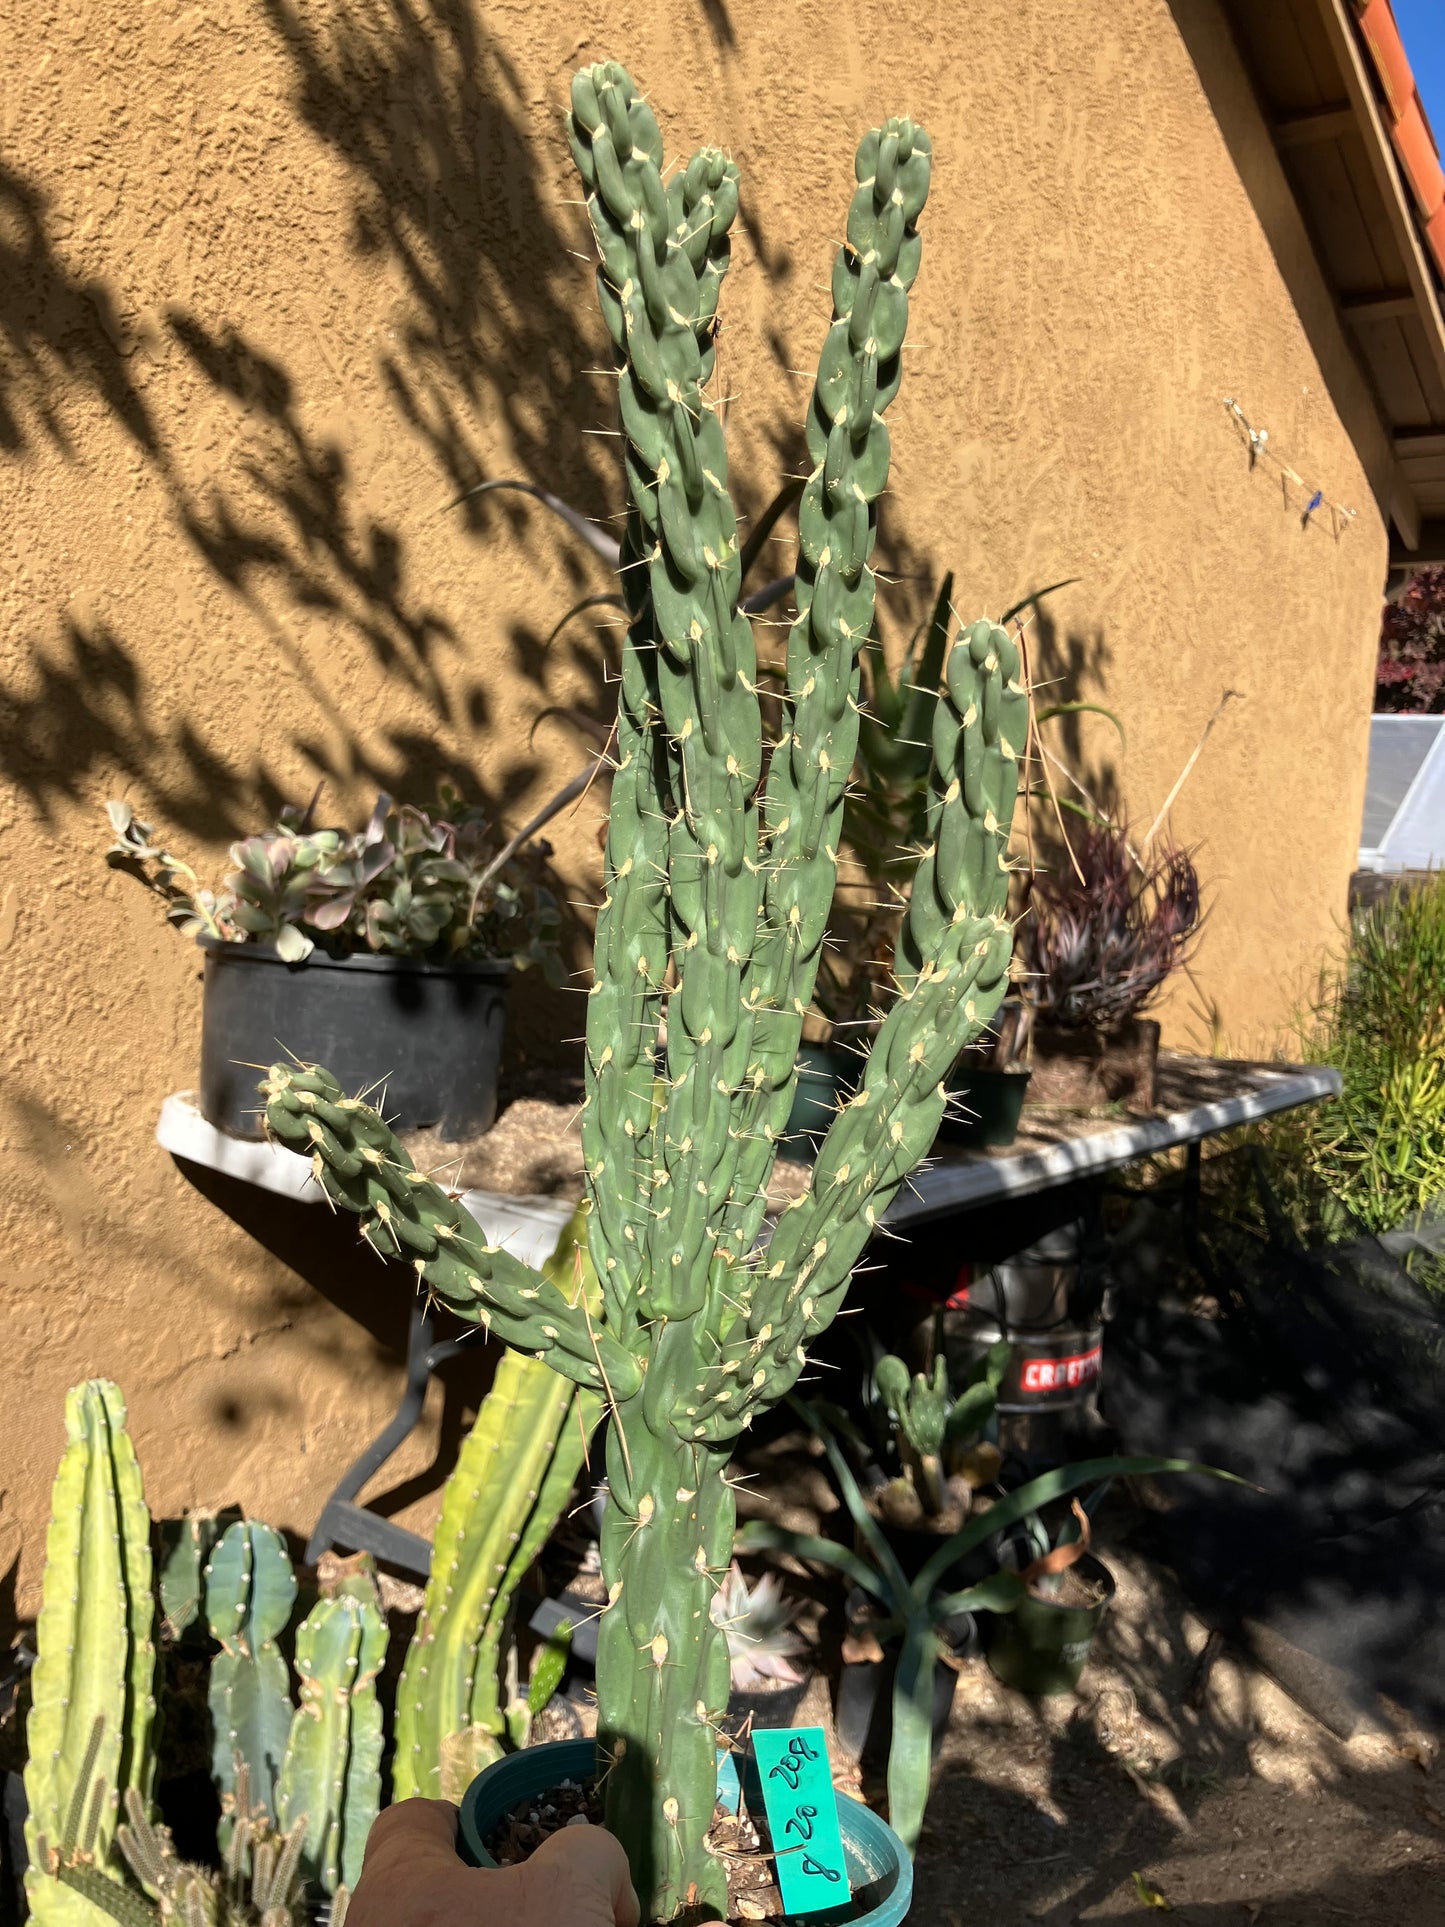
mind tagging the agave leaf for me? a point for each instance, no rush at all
(1078, 709)
(910, 1752)
(1037, 595)
(596, 539)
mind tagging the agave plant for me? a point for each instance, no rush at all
(1108, 929)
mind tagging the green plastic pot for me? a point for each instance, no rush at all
(996, 1101)
(824, 1074)
(1041, 1648)
(879, 1869)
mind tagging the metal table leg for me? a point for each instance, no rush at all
(343, 1521)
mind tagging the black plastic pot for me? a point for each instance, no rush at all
(1041, 1648)
(430, 1033)
(994, 1102)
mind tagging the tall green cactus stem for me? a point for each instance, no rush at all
(514, 1475)
(330, 1783)
(92, 1701)
(250, 1591)
(718, 909)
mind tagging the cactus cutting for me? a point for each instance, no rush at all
(720, 869)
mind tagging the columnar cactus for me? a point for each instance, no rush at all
(250, 1590)
(717, 890)
(92, 1702)
(514, 1475)
(330, 1781)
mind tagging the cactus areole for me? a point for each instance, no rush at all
(720, 870)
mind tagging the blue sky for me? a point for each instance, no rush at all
(1422, 26)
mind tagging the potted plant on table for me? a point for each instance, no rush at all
(1105, 931)
(386, 951)
(940, 1458)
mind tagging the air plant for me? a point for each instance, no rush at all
(1107, 929)
(410, 884)
(756, 1621)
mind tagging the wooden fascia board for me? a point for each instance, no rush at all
(1340, 29)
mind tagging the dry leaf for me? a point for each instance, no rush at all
(1150, 1896)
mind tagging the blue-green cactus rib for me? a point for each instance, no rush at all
(250, 1592)
(331, 1776)
(94, 1644)
(634, 942)
(659, 253)
(859, 372)
(361, 1164)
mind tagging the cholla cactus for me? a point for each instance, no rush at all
(756, 1621)
(718, 881)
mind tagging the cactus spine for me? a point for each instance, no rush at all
(92, 1686)
(250, 1590)
(513, 1476)
(330, 1782)
(725, 899)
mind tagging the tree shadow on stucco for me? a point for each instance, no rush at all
(56, 331)
(430, 116)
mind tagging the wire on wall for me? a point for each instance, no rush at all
(1260, 451)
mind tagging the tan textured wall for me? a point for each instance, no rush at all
(277, 279)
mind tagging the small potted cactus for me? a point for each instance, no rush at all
(940, 1454)
(387, 951)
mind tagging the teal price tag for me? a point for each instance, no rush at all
(729, 1787)
(802, 1813)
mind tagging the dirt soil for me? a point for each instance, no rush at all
(1240, 1810)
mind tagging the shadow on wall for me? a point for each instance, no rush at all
(432, 122)
(428, 116)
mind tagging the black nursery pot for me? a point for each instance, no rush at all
(431, 1033)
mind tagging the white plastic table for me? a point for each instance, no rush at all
(1199, 1097)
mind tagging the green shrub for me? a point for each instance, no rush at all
(1380, 1020)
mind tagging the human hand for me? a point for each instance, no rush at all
(412, 1877)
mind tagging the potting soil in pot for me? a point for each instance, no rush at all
(752, 1893)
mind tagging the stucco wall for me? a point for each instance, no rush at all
(278, 280)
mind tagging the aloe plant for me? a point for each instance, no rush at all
(911, 1614)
